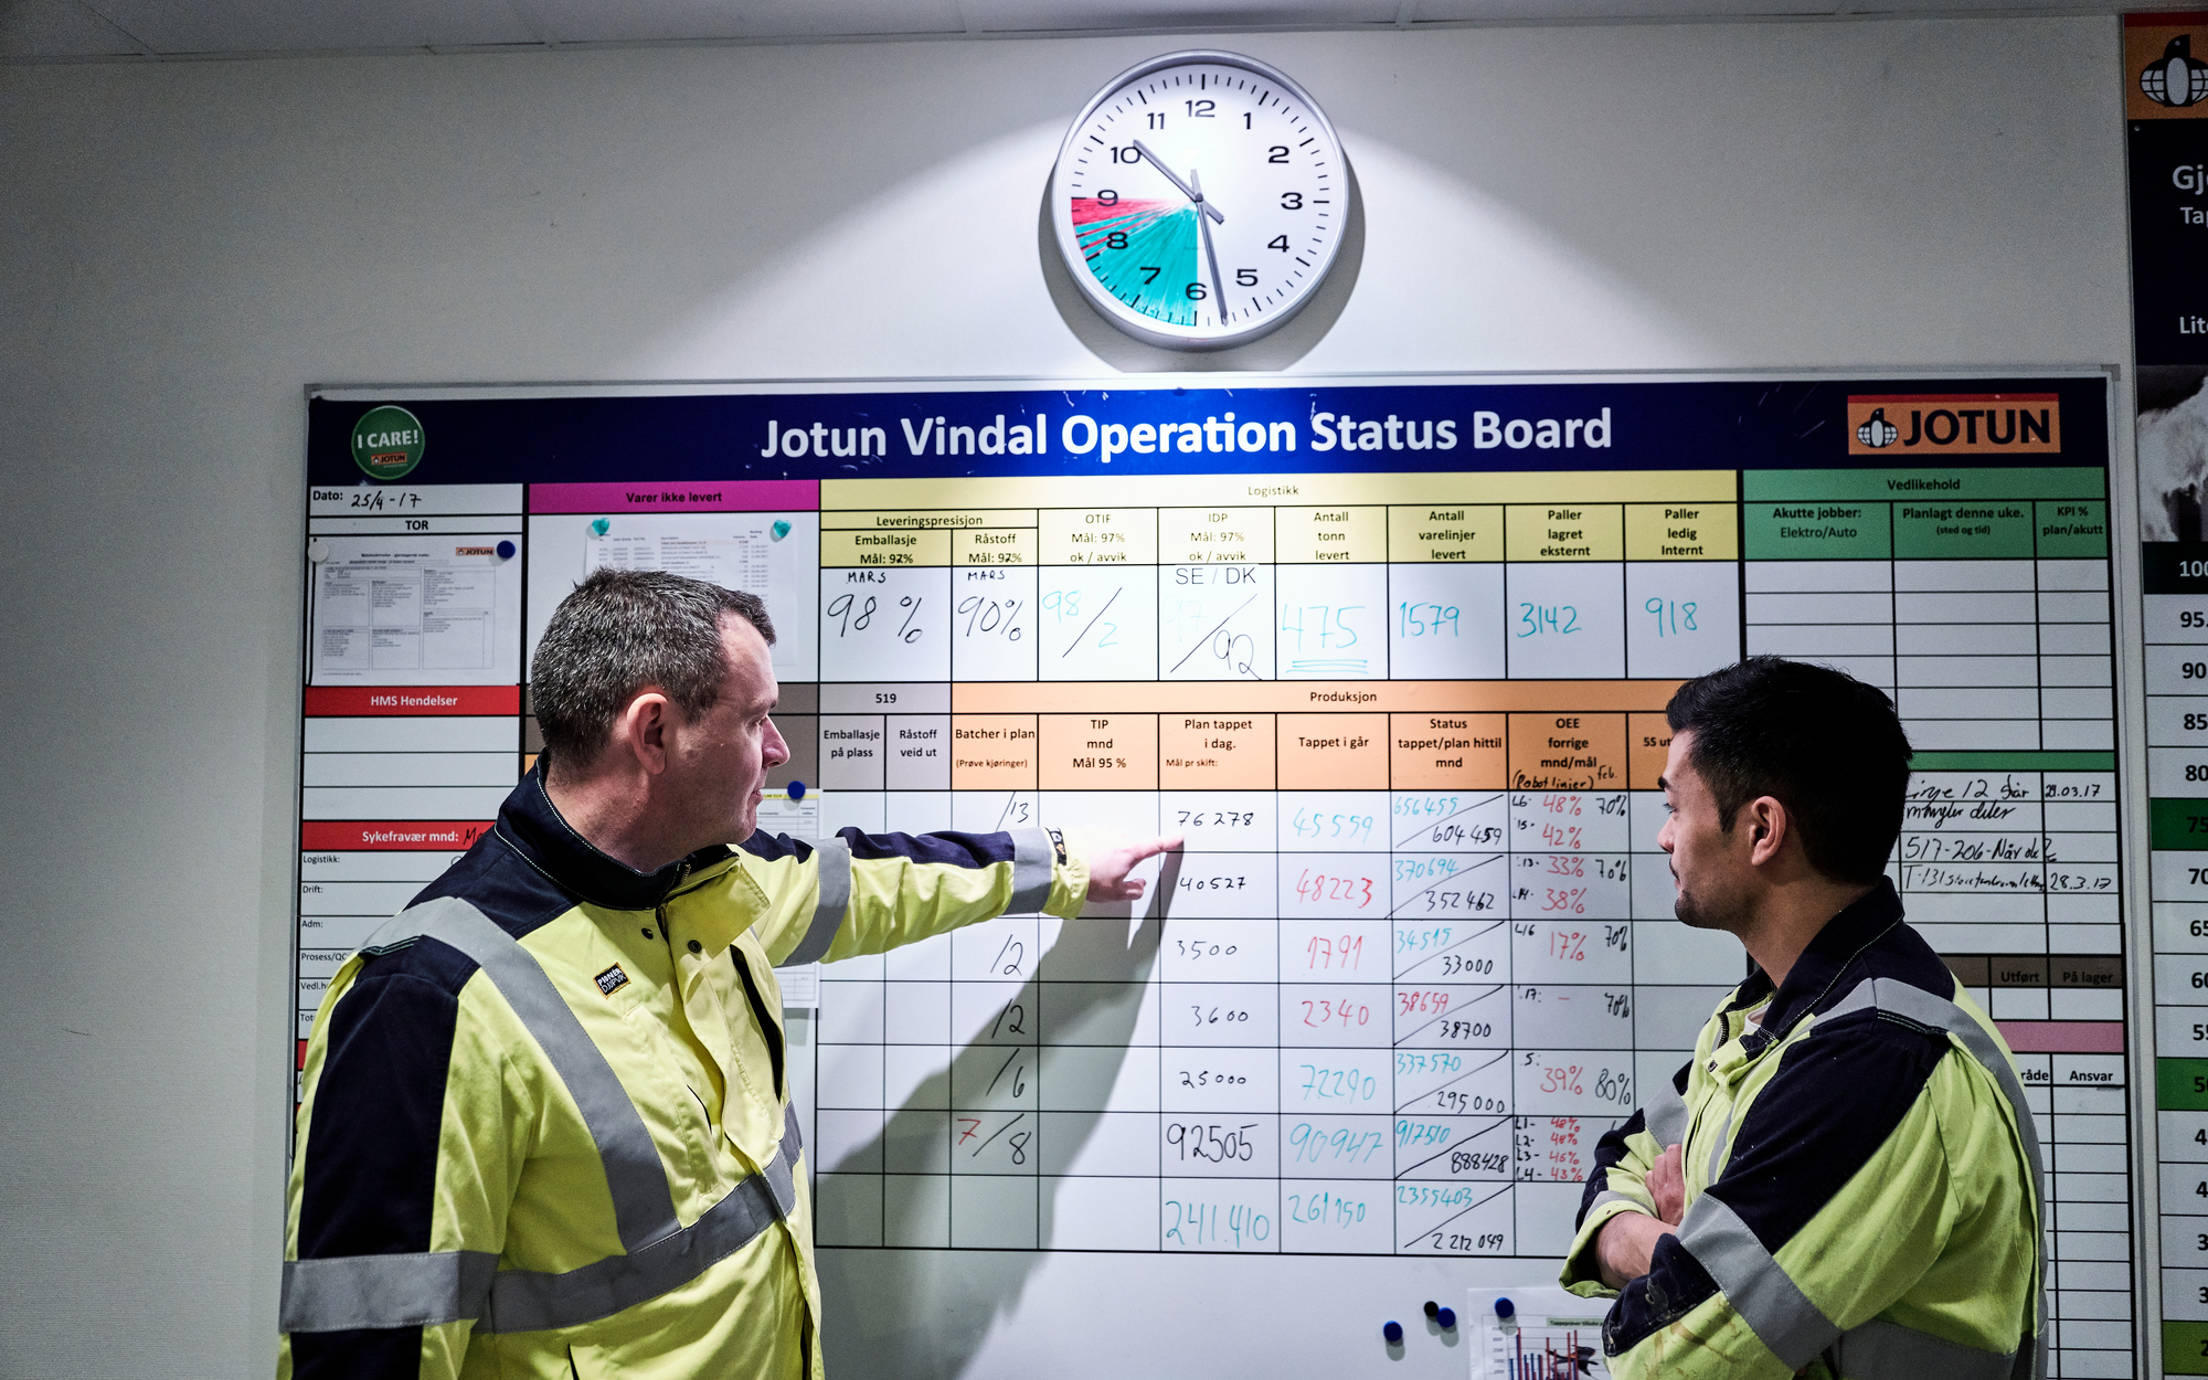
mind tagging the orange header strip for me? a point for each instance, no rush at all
(1310, 697)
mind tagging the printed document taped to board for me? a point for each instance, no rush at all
(1550, 1335)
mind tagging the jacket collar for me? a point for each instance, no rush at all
(533, 825)
(1815, 975)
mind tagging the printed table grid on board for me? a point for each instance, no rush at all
(1494, 606)
(1255, 743)
(1283, 592)
(1979, 655)
(1338, 831)
(2079, 1102)
(1993, 980)
(396, 783)
(1316, 1060)
(2004, 859)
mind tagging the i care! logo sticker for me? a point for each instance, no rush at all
(387, 442)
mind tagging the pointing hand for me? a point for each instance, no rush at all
(1108, 879)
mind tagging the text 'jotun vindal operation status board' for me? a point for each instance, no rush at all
(1392, 655)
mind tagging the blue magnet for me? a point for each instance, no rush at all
(1393, 1331)
(1447, 1317)
(599, 527)
(1505, 1309)
(796, 790)
(506, 550)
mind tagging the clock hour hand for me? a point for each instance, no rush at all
(1190, 192)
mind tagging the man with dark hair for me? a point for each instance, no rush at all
(1845, 1181)
(546, 1125)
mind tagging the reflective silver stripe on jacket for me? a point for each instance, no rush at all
(417, 1288)
(834, 856)
(426, 1288)
(1610, 1195)
(1719, 1146)
(1795, 1330)
(1922, 1008)
(1878, 1349)
(1034, 857)
(1764, 1295)
(643, 1209)
(531, 1300)
(1665, 1115)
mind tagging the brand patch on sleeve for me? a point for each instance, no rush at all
(612, 980)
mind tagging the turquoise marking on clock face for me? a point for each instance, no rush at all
(1144, 253)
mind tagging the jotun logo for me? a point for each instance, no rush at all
(1954, 424)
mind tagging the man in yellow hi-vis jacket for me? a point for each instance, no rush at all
(545, 1128)
(1845, 1181)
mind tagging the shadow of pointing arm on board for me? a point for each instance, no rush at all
(928, 1314)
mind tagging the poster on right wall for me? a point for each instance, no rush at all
(2166, 115)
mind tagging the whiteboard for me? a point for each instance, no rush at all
(1393, 655)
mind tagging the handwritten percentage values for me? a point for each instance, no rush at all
(992, 616)
(853, 615)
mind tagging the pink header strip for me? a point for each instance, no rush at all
(679, 496)
(2063, 1037)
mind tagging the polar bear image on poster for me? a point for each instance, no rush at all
(2173, 453)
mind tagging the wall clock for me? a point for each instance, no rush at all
(1199, 199)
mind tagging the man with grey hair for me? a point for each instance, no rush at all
(546, 1124)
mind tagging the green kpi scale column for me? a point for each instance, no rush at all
(2177, 783)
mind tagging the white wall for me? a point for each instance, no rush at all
(184, 246)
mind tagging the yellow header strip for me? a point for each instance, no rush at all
(1281, 490)
(833, 520)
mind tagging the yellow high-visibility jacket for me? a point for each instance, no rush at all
(1863, 1181)
(545, 1127)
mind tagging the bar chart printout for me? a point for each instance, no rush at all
(1544, 1353)
(1549, 1335)
(1419, 952)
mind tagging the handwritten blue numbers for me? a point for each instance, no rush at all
(1097, 623)
(1673, 616)
(1333, 622)
(1682, 617)
(1536, 620)
(1419, 618)
(1446, 622)
(1564, 621)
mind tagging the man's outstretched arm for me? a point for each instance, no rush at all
(859, 893)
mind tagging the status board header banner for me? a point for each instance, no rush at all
(889, 431)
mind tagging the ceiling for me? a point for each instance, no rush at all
(139, 30)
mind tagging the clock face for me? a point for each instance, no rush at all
(1199, 200)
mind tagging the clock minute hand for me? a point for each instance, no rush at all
(1211, 253)
(1191, 193)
